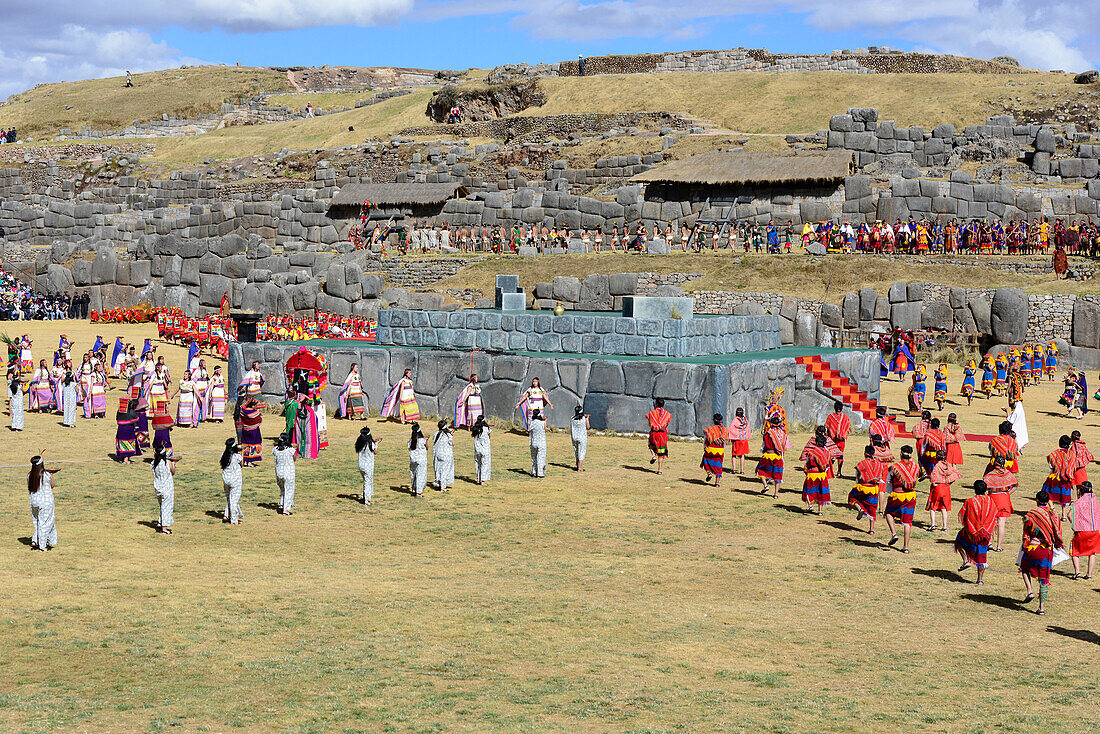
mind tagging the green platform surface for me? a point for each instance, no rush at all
(781, 353)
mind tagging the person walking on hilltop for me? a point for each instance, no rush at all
(659, 420)
(977, 516)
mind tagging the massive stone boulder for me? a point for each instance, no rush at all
(1086, 324)
(1008, 316)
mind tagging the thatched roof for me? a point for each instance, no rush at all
(398, 194)
(720, 167)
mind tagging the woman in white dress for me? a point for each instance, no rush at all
(536, 433)
(164, 485)
(483, 453)
(443, 457)
(366, 446)
(284, 454)
(15, 402)
(70, 396)
(418, 461)
(40, 489)
(232, 481)
(578, 432)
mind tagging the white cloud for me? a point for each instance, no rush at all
(50, 40)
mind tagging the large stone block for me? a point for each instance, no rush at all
(899, 293)
(867, 299)
(936, 315)
(595, 294)
(1086, 324)
(567, 289)
(104, 267)
(623, 284)
(805, 330)
(1008, 316)
(831, 315)
(905, 315)
(212, 288)
(979, 308)
(850, 311)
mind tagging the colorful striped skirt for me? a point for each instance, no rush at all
(251, 446)
(864, 497)
(356, 404)
(410, 411)
(901, 505)
(658, 442)
(713, 457)
(815, 488)
(974, 548)
(940, 392)
(1036, 562)
(968, 387)
(770, 466)
(162, 439)
(126, 444)
(1060, 490)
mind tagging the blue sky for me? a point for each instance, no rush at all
(49, 40)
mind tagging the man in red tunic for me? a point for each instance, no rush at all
(977, 516)
(658, 419)
(1004, 446)
(882, 428)
(837, 428)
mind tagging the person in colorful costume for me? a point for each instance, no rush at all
(870, 478)
(714, 450)
(468, 406)
(401, 402)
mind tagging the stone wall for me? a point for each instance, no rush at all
(579, 334)
(741, 59)
(616, 393)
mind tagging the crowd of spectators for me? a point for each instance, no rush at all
(8, 136)
(20, 302)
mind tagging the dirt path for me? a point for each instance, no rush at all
(293, 82)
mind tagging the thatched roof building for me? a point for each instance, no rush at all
(722, 169)
(398, 194)
(391, 201)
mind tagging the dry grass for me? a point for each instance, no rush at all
(827, 279)
(610, 601)
(108, 104)
(322, 100)
(376, 121)
(799, 102)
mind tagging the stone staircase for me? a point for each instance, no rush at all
(848, 393)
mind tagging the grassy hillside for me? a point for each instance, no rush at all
(108, 104)
(801, 102)
(380, 120)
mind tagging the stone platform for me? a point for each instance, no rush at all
(616, 390)
(579, 333)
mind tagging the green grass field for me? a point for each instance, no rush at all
(610, 601)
